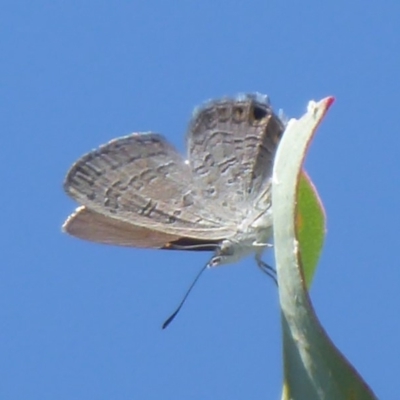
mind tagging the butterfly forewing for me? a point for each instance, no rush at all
(142, 180)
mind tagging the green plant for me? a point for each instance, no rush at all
(313, 367)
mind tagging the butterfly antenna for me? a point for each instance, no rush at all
(267, 269)
(175, 313)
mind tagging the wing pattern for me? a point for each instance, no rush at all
(142, 180)
(152, 196)
(231, 146)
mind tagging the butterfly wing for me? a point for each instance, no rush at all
(232, 144)
(89, 225)
(142, 180)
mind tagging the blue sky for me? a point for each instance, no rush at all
(81, 320)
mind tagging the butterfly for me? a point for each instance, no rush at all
(138, 191)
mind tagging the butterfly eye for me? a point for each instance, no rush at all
(227, 248)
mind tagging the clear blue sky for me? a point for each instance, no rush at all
(82, 321)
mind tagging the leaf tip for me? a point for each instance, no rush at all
(329, 101)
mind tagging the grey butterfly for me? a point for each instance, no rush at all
(139, 191)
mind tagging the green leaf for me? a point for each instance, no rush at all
(313, 367)
(310, 225)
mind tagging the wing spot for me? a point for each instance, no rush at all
(238, 113)
(211, 191)
(135, 183)
(148, 175)
(224, 113)
(148, 208)
(259, 113)
(82, 177)
(226, 164)
(163, 170)
(188, 199)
